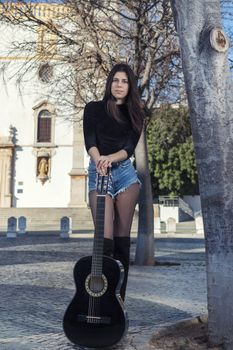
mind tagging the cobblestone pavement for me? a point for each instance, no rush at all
(36, 273)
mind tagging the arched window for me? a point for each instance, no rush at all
(44, 126)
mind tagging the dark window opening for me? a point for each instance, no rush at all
(44, 126)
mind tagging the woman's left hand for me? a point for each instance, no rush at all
(103, 164)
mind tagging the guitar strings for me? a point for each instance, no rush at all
(96, 283)
(94, 302)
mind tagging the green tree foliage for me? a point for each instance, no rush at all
(171, 153)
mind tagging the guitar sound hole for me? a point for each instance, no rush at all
(96, 286)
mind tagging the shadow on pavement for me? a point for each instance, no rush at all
(28, 310)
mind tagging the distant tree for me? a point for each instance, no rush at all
(171, 154)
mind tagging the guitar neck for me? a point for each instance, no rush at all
(97, 255)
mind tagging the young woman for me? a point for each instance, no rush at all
(112, 128)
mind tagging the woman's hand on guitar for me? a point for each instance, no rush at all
(104, 162)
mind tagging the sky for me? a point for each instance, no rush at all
(227, 22)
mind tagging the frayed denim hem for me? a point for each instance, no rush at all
(125, 188)
(109, 193)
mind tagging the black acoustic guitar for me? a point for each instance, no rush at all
(96, 316)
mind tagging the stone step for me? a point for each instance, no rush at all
(190, 223)
(48, 219)
(186, 227)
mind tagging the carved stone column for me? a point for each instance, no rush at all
(6, 154)
(78, 174)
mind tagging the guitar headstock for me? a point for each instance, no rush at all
(102, 184)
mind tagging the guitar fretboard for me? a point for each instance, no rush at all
(97, 255)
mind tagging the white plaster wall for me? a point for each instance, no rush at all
(17, 110)
(169, 212)
(55, 192)
(86, 159)
(63, 132)
(9, 34)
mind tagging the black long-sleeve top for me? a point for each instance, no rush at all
(107, 134)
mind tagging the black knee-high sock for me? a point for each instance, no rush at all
(122, 253)
(108, 247)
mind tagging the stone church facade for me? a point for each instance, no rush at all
(42, 157)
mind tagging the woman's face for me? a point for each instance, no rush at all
(120, 87)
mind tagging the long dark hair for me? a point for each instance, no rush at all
(132, 100)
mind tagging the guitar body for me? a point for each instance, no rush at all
(96, 317)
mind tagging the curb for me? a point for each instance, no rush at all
(171, 328)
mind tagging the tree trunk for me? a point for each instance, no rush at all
(145, 239)
(210, 96)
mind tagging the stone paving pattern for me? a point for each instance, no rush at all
(36, 274)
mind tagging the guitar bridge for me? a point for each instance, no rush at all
(94, 319)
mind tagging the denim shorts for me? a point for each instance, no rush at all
(122, 175)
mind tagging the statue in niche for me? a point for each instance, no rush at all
(43, 169)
